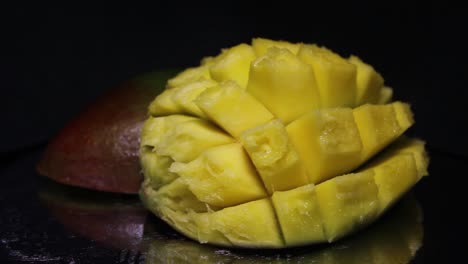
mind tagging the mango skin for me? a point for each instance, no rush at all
(99, 148)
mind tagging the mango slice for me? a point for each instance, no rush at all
(299, 215)
(347, 203)
(283, 83)
(368, 82)
(217, 178)
(232, 108)
(283, 145)
(336, 77)
(274, 157)
(251, 224)
(330, 138)
(261, 45)
(385, 242)
(233, 64)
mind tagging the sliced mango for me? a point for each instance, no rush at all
(192, 74)
(232, 108)
(368, 82)
(247, 225)
(186, 94)
(347, 203)
(394, 176)
(386, 94)
(378, 126)
(299, 215)
(156, 127)
(274, 156)
(261, 45)
(164, 104)
(222, 176)
(259, 146)
(156, 167)
(336, 77)
(327, 141)
(233, 64)
(185, 141)
(284, 84)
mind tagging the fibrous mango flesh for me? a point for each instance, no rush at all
(276, 145)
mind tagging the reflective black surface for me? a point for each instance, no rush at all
(44, 222)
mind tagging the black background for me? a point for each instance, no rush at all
(58, 59)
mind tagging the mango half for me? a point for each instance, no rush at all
(276, 144)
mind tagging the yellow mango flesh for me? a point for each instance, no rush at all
(368, 82)
(187, 93)
(189, 75)
(232, 108)
(378, 126)
(335, 77)
(156, 167)
(385, 95)
(261, 45)
(233, 64)
(394, 176)
(330, 138)
(251, 224)
(186, 141)
(221, 176)
(274, 157)
(232, 149)
(395, 239)
(284, 84)
(299, 215)
(347, 203)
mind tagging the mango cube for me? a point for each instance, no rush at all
(329, 138)
(335, 77)
(299, 215)
(274, 156)
(262, 45)
(368, 82)
(378, 126)
(347, 203)
(221, 176)
(284, 84)
(248, 225)
(185, 141)
(232, 108)
(233, 64)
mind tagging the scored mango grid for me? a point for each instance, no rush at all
(165, 106)
(278, 223)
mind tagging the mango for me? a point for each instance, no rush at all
(386, 241)
(299, 216)
(335, 77)
(99, 148)
(293, 147)
(368, 82)
(233, 64)
(330, 138)
(263, 141)
(221, 176)
(283, 83)
(274, 157)
(232, 108)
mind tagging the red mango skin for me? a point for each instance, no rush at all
(99, 148)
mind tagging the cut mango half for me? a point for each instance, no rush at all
(275, 145)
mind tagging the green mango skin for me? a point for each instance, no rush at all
(99, 148)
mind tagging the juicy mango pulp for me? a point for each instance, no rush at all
(259, 146)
